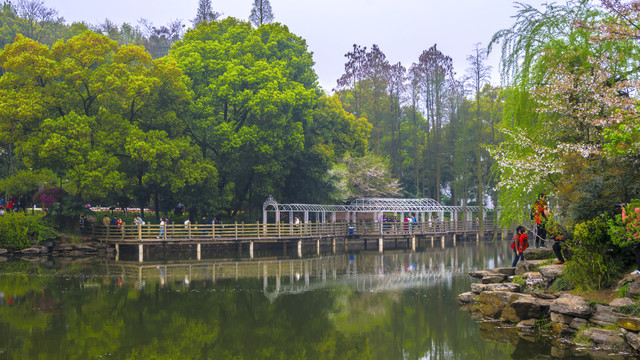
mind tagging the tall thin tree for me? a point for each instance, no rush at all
(261, 13)
(478, 75)
(205, 13)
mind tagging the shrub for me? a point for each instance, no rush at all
(20, 231)
(562, 284)
(622, 292)
(595, 262)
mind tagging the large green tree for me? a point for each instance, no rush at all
(257, 111)
(104, 118)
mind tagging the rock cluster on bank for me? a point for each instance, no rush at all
(58, 249)
(495, 297)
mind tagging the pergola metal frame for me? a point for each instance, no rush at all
(422, 208)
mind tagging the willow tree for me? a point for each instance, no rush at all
(581, 90)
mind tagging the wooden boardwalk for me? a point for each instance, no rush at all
(310, 233)
(266, 233)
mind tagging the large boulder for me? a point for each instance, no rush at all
(479, 287)
(523, 307)
(534, 278)
(35, 250)
(493, 278)
(551, 272)
(492, 303)
(629, 323)
(610, 338)
(571, 305)
(479, 274)
(467, 298)
(633, 340)
(620, 302)
(528, 266)
(539, 254)
(605, 316)
(509, 271)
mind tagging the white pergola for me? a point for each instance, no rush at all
(422, 209)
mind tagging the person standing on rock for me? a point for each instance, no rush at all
(520, 244)
(540, 215)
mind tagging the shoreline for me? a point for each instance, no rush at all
(520, 297)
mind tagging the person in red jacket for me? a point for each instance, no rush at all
(520, 244)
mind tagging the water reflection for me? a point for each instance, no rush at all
(399, 305)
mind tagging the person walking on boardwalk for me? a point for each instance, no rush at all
(540, 215)
(519, 245)
(162, 223)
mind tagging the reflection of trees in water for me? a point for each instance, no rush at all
(390, 306)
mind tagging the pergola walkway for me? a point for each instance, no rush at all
(369, 209)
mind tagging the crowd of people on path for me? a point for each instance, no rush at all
(13, 205)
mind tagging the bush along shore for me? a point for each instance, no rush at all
(521, 296)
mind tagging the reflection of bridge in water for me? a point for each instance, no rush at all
(364, 272)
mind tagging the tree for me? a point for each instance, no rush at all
(437, 72)
(580, 83)
(205, 13)
(102, 117)
(261, 13)
(478, 75)
(366, 176)
(254, 95)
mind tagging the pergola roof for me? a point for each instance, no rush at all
(364, 205)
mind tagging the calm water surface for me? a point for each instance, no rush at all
(363, 305)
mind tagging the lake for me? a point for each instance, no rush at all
(362, 305)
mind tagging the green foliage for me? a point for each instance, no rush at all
(594, 264)
(21, 231)
(622, 292)
(26, 182)
(632, 310)
(562, 283)
(624, 228)
(519, 280)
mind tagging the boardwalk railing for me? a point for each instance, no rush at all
(266, 232)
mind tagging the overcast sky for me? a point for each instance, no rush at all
(402, 29)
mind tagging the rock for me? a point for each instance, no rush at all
(604, 337)
(3, 259)
(479, 274)
(627, 279)
(578, 323)
(467, 298)
(539, 254)
(511, 287)
(528, 265)
(633, 340)
(605, 316)
(528, 324)
(561, 318)
(620, 302)
(633, 287)
(3, 251)
(493, 278)
(534, 279)
(571, 305)
(551, 272)
(629, 323)
(35, 250)
(528, 307)
(491, 303)
(509, 271)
